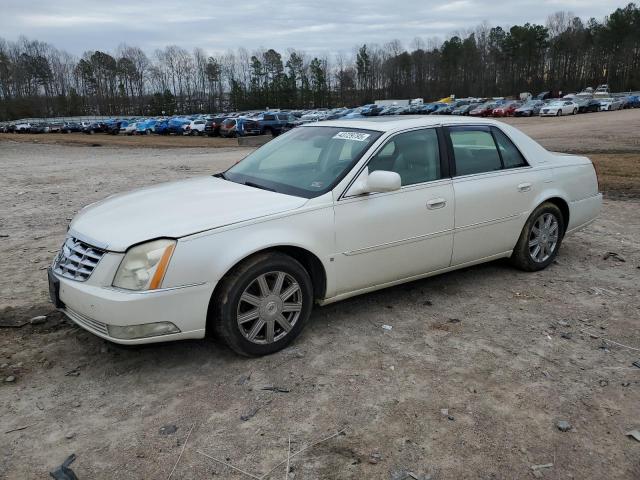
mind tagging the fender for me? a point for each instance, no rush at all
(207, 257)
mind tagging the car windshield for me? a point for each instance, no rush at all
(306, 162)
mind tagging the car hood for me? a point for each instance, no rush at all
(174, 210)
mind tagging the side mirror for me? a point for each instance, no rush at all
(375, 182)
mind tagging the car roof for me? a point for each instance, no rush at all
(393, 123)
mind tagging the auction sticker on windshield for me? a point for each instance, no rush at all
(360, 137)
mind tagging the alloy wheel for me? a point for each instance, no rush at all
(543, 239)
(269, 307)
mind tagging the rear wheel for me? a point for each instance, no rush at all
(540, 239)
(262, 304)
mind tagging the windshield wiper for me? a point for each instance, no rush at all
(255, 185)
(220, 175)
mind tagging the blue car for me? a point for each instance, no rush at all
(176, 125)
(145, 127)
(249, 126)
(633, 101)
(371, 110)
(161, 127)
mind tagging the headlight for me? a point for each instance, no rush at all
(143, 267)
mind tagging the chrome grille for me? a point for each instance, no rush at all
(77, 260)
(86, 322)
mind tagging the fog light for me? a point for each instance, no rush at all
(145, 330)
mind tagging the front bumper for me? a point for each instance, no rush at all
(95, 307)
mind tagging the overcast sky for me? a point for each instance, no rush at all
(317, 26)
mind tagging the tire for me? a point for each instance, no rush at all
(147, 132)
(559, 113)
(243, 280)
(525, 256)
(575, 111)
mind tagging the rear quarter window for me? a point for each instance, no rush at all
(511, 156)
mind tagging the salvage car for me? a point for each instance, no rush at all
(194, 127)
(464, 109)
(212, 126)
(506, 109)
(24, 127)
(129, 128)
(55, 127)
(610, 104)
(483, 110)
(588, 105)
(68, 127)
(325, 212)
(40, 127)
(558, 108)
(228, 128)
(145, 127)
(529, 109)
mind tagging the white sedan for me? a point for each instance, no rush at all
(558, 108)
(325, 212)
(609, 104)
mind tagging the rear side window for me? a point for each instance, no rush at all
(511, 156)
(269, 117)
(474, 150)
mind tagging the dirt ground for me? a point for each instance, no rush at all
(507, 354)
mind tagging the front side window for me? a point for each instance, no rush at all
(474, 150)
(415, 156)
(306, 161)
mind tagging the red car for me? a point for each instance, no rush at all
(483, 110)
(506, 109)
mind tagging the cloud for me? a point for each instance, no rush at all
(318, 27)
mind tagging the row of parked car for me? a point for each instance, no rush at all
(225, 125)
(274, 122)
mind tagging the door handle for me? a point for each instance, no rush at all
(436, 203)
(524, 187)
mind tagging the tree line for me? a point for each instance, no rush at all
(566, 54)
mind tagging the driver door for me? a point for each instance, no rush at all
(386, 237)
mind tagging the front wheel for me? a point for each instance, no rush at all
(559, 113)
(575, 111)
(540, 239)
(262, 305)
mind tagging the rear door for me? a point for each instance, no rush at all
(494, 189)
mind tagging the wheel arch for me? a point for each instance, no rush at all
(310, 261)
(563, 205)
